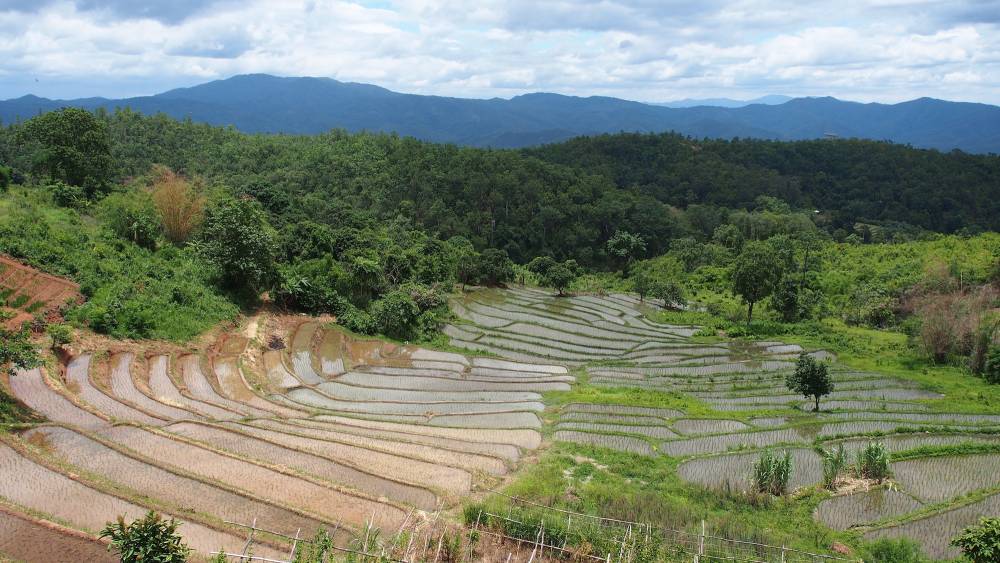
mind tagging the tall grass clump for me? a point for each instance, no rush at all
(834, 463)
(873, 462)
(772, 473)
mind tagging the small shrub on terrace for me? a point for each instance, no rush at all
(150, 538)
(873, 462)
(60, 334)
(980, 543)
(900, 550)
(772, 473)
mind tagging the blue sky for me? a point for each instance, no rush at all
(649, 50)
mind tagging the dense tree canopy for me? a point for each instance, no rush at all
(70, 145)
(565, 200)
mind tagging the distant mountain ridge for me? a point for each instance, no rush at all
(269, 104)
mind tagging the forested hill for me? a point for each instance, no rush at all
(567, 199)
(262, 103)
(846, 181)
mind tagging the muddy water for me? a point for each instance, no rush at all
(503, 451)
(259, 481)
(301, 354)
(30, 388)
(165, 391)
(123, 387)
(529, 439)
(198, 385)
(462, 459)
(232, 384)
(336, 463)
(422, 383)
(392, 466)
(842, 512)
(277, 374)
(733, 470)
(39, 488)
(27, 540)
(368, 392)
(77, 372)
(93, 456)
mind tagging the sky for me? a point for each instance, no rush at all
(646, 50)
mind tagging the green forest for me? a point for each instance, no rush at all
(172, 226)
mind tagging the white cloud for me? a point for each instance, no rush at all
(884, 50)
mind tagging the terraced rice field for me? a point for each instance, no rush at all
(334, 432)
(842, 512)
(743, 383)
(335, 429)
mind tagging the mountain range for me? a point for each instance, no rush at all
(269, 104)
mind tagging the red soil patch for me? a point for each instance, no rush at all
(36, 292)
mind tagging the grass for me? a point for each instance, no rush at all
(648, 489)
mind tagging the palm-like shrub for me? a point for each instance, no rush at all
(873, 462)
(834, 462)
(772, 473)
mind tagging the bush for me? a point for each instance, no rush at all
(900, 550)
(771, 473)
(671, 293)
(238, 239)
(65, 195)
(60, 334)
(147, 539)
(991, 370)
(131, 216)
(873, 462)
(180, 206)
(980, 543)
(395, 314)
(17, 352)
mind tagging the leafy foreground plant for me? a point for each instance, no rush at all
(873, 462)
(980, 543)
(150, 539)
(772, 473)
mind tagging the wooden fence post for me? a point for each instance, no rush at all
(701, 544)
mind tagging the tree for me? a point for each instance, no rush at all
(643, 284)
(179, 204)
(729, 236)
(810, 378)
(991, 369)
(980, 543)
(69, 145)
(239, 241)
(60, 334)
(5, 176)
(17, 352)
(146, 540)
(626, 247)
(554, 274)
(495, 267)
(671, 293)
(754, 274)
